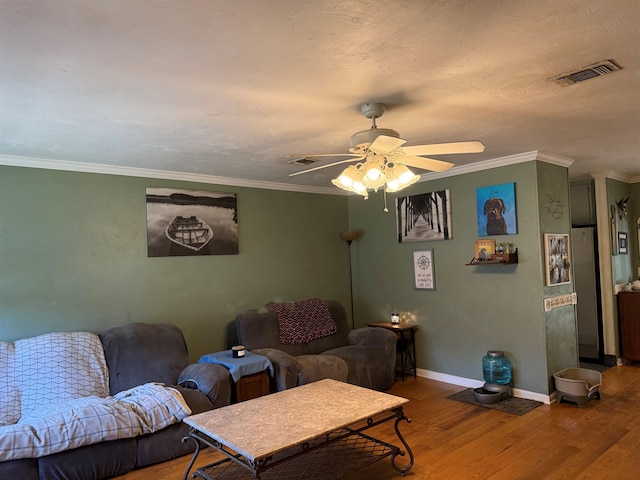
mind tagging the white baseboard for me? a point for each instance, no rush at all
(471, 383)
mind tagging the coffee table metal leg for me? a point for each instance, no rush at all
(193, 458)
(406, 468)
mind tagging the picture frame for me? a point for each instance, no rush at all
(423, 270)
(424, 217)
(623, 243)
(184, 222)
(484, 249)
(557, 259)
(496, 210)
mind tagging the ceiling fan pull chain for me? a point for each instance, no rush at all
(386, 210)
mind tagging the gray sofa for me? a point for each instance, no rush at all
(135, 354)
(362, 356)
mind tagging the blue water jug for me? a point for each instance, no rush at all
(496, 368)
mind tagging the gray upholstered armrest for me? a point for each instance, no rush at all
(211, 379)
(285, 367)
(374, 337)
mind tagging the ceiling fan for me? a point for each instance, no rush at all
(383, 160)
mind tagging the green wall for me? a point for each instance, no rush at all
(473, 309)
(634, 232)
(561, 335)
(622, 266)
(73, 257)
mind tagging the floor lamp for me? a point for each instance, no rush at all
(350, 236)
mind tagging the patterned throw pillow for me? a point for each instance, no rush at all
(59, 366)
(10, 397)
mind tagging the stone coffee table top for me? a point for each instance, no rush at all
(266, 425)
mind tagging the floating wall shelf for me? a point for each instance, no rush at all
(497, 259)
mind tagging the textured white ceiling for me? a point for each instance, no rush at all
(228, 88)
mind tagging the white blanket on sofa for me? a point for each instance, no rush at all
(84, 421)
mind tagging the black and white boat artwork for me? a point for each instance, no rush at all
(189, 232)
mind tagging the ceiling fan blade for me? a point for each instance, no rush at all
(311, 155)
(445, 148)
(385, 144)
(360, 157)
(424, 163)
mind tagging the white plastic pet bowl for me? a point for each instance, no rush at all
(577, 385)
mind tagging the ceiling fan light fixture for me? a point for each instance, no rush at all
(399, 177)
(351, 181)
(383, 160)
(360, 189)
(374, 174)
(347, 178)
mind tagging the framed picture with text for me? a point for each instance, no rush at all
(623, 245)
(423, 277)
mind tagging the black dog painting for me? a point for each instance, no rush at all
(496, 210)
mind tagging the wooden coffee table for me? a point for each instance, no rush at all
(316, 429)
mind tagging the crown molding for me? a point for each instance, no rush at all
(613, 175)
(500, 162)
(554, 159)
(48, 164)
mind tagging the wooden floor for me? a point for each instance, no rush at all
(453, 440)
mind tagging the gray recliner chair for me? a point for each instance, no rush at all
(138, 353)
(362, 356)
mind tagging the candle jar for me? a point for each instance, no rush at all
(237, 351)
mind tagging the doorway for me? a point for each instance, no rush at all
(587, 286)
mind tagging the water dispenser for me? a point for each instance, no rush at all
(497, 373)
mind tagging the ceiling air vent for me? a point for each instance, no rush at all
(303, 161)
(585, 73)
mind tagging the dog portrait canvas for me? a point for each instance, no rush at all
(496, 210)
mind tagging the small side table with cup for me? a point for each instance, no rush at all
(406, 334)
(250, 372)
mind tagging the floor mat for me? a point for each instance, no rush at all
(594, 366)
(513, 405)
